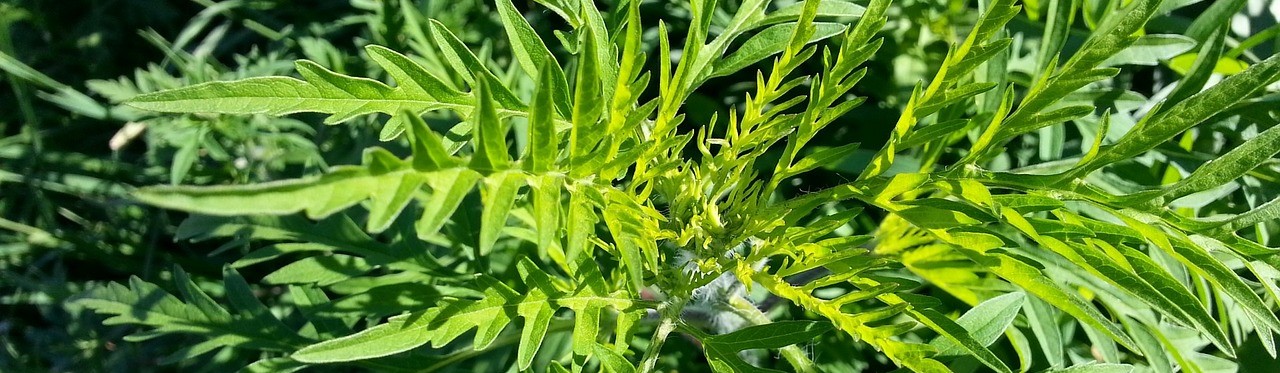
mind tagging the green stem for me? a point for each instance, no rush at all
(754, 316)
(670, 312)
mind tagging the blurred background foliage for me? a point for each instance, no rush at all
(69, 153)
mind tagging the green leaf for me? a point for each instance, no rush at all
(490, 133)
(429, 153)
(633, 227)
(185, 157)
(1134, 273)
(613, 362)
(322, 91)
(935, 132)
(1042, 318)
(1200, 69)
(1190, 63)
(193, 294)
(1152, 349)
(535, 59)
(335, 233)
(470, 68)
(1228, 167)
(448, 188)
(1169, 287)
(819, 158)
(405, 332)
(536, 311)
(826, 8)
(274, 365)
(1149, 50)
(309, 299)
(546, 210)
(382, 300)
(385, 180)
(769, 42)
(168, 314)
(1057, 26)
(450, 319)
(499, 195)
(600, 48)
(581, 220)
(985, 322)
(320, 270)
(1025, 203)
(1160, 127)
(1051, 141)
(1033, 281)
(588, 106)
(722, 350)
(1205, 265)
(1099, 136)
(1213, 18)
(959, 338)
(1112, 36)
(936, 214)
(544, 142)
(953, 96)
(414, 79)
(1266, 212)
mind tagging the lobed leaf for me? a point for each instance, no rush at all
(722, 350)
(1160, 127)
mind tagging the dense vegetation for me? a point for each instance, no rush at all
(640, 185)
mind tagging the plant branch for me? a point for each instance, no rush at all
(794, 355)
(670, 312)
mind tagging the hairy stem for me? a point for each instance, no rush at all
(794, 355)
(670, 312)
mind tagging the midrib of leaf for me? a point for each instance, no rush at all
(577, 303)
(449, 360)
(1043, 184)
(926, 98)
(191, 323)
(198, 199)
(1112, 36)
(1005, 266)
(1162, 126)
(239, 97)
(1229, 167)
(855, 325)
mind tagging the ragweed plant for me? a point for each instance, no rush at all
(594, 211)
